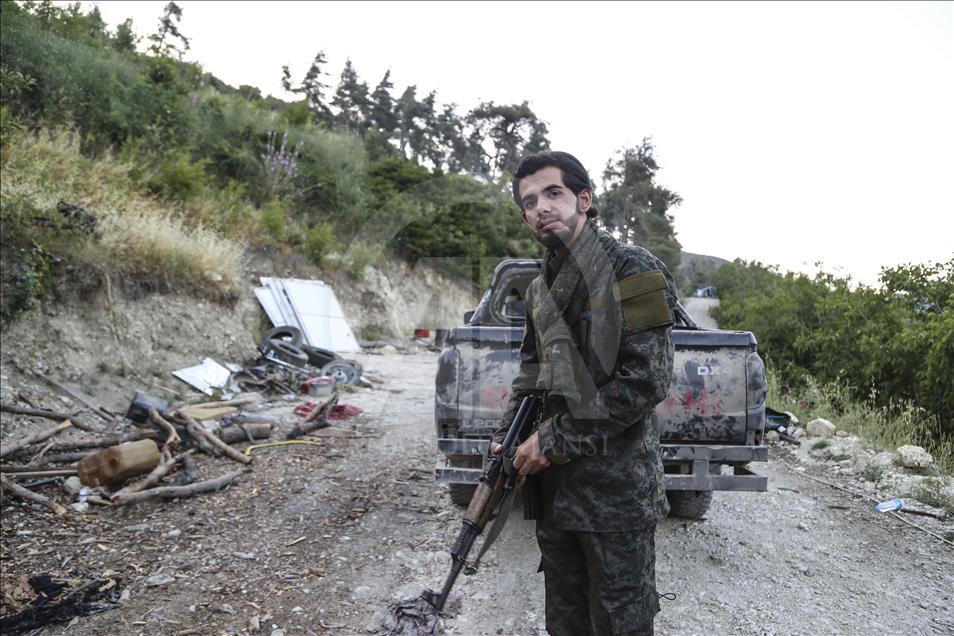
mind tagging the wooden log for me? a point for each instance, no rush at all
(29, 495)
(50, 415)
(198, 432)
(9, 449)
(236, 432)
(173, 439)
(172, 492)
(20, 473)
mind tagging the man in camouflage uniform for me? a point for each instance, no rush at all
(598, 346)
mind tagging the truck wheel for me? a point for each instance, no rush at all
(689, 504)
(460, 494)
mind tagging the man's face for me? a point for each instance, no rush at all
(552, 211)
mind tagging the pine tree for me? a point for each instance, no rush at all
(636, 207)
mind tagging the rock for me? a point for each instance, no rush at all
(907, 485)
(862, 458)
(225, 608)
(771, 436)
(72, 486)
(80, 507)
(362, 591)
(821, 428)
(844, 448)
(159, 579)
(248, 556)
(798, 432)
(911, 456)
(254, 624)
(174, 534)
(841, 433)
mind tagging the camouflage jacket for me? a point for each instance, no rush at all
(598, 345)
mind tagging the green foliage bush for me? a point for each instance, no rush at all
(319, 242)
(359, 256)
(179, 177)
(274, 220)
(891, 345)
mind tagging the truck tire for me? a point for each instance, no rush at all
(691, 504)
(461, 494)
(688, 504)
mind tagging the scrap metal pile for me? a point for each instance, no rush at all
(150, 451)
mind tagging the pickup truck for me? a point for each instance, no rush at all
(713, 416)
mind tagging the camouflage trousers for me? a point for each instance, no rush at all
(599, 583)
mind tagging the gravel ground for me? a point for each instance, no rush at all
(321, 539)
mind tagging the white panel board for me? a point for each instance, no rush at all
(322, 320)
(277, 287)
(270, 305)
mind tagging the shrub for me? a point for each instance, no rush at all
(319, 242)
(359, 256)
(932, 491)
(273, 220)
(179, 177)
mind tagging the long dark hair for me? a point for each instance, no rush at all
(574, 174)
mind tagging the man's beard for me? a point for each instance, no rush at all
(560, 239)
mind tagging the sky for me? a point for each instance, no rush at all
(795, 133)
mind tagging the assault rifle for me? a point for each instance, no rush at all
(490, 500)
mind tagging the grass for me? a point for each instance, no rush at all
(878, 428)
(872, 472)
(820, 444)
(931, 492)
(139, 234)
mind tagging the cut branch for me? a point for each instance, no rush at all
(316, 418)
(190, 470)
(15, 447)
(172, 492)
(23, 472)
(29, 495)
(160, 471)
(76, 395)
(50, 415)
(173, 439)
(101, 442)
(198, 432)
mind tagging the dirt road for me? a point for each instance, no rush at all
(699, 308)
(319, 540)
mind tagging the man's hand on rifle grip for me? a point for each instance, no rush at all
(529, 460)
